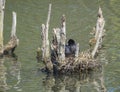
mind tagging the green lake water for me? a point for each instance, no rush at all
(21, 74)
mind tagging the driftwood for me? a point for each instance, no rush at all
(65, 57)
(14, 41)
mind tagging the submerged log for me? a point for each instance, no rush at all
(14, 41)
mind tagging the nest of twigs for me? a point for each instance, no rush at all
(83, 63)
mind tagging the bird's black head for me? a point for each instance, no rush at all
(71, 42)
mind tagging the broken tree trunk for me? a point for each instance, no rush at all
(2, 6)
(55, 47)
(45, 49)
(14, 21)
(99, 24)
(99, 32)
(59, 39)
(62, 39)
(14, 41)
(45, 39)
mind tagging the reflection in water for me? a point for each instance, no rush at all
(3, 84)
(14, 71)
(92, 82)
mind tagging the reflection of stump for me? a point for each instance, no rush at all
(3, 83)
(76, 82)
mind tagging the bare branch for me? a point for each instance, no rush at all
(13, 31)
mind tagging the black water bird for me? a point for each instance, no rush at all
(70, 48)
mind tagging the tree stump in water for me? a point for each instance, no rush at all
(2, 6)
(12, 44)
(66, 58)
(14, 41)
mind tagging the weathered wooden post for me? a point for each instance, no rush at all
(45, 43)
(59, 39)
(99, 24)
(45, 39)
(62, 39)
(99, 32)
(14, 22)
(14, 41)
(2, 6)
(47, 52)
(56, 43)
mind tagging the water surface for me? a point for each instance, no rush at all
(22, 72)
